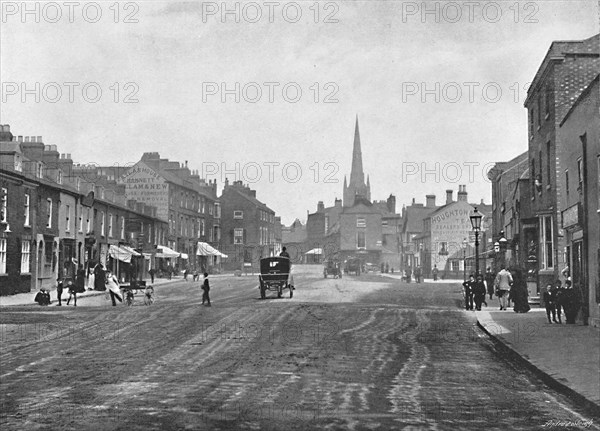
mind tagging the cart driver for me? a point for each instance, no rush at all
(284, 253)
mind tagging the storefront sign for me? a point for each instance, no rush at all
(571, 216)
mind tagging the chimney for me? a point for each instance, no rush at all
(430, 199)
(338, 203)
(462, 194)
(413, 201)
(448, 197)
(481, 202)
(320, 206)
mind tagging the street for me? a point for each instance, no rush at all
(361, 352)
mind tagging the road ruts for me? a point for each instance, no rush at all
(357, 353)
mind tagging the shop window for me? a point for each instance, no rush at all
(25, 256)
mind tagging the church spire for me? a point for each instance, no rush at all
(357, 175)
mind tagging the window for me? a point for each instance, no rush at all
(238, 236)
(59, 177)
(202, 233)
(78, 184)
(217, 232)
(2, 255)
(4, 206)
(203, 203)
(326, 224)
(579, 174)
(547, 243)
(539, 111)
(210, 209)
(361, 241)
(40, 170)
(26, 209)
(238, 215)
(455, 265)
(110, 225)
(532, 178)
(361, 222)
(80, 220)
(18, 163)
(598, 171)
(567, 183)
(123, 228)
(49, 213)
(217, 210)
(102, 221)
(547, 101)
(25, 256)
(88, 226)
(541, 167)
(531, 114)
(68, 218)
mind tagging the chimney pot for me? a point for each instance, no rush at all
(449, 196)
(430, 201)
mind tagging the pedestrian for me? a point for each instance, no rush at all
(418, 274)
(42, 297)
(519, 292)
(435, 272)
(408, 274)
(549, 303)
(387, 267)
(489, 282)
(196, 275)
(382, 268)
(99, 277)
(72, 292)
(59, 291)
(80, 279)
(468, 287)
(479, 292)
(152, 272)
(185, 274)
(206, 289)
(571, 303)
(114, 290)
(558, 299)
(503, 283)
(170, 271)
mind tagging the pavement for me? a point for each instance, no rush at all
(566, 357)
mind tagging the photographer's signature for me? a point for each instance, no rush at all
(562, 423)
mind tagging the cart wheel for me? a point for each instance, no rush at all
(291, 291)
(279, 292)
(262, 293)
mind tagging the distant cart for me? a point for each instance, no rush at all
(275, 276)
(332, 267)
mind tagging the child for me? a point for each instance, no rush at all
(550, 303)
(42, 297)
(59, 291)
(206, 289)
(72, 292)
(149, 295)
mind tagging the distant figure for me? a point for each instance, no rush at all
(284, 253)
(418, 274)
(408, 274)
(185, 274)
(42, 297)
(206, 289)
(558, 300)
(99, 277)
(59, 291)
(387, 267)
(80, 279)
(489, 281)
(468, 287)
(151, 272)
(570, 302)
(479, 292)
(519, 292)
(113, 288)
(435, 272)
(549, 302)
(382, 267)
(503, 283)
(170, 271)
(72, 292)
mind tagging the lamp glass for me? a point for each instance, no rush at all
(476, 220)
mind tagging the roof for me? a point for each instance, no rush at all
(251, 199)
(414, 216)
(582, 96)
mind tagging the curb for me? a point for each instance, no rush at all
(550, 381)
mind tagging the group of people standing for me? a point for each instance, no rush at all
(409, 273)
(560, 298)
(506, 285)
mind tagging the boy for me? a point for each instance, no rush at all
(549, 303)
(206, 289)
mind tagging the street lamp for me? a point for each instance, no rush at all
(465, 259)
(476, 224)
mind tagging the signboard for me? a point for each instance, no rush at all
(143, 184)
(571, 217)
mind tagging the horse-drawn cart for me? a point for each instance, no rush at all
(275, 276)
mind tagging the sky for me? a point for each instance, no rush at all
(268, 92)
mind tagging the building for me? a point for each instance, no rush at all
(356, 227)
(250, 228)
(411, 231)
(566, 70)
(579, 179)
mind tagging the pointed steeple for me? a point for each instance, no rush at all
(357, 175)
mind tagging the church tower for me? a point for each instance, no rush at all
(357, 186)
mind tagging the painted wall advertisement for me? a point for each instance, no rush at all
(143, 184)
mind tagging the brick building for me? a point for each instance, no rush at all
(566, 70)
(250, 228)
(579, 180)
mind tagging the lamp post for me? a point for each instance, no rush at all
(476, 224)
(465, 259)
(502, 242)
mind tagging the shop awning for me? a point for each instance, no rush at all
(184, 256)
(315, 251)
(122, 253)
(165, 252)
(205, 249)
